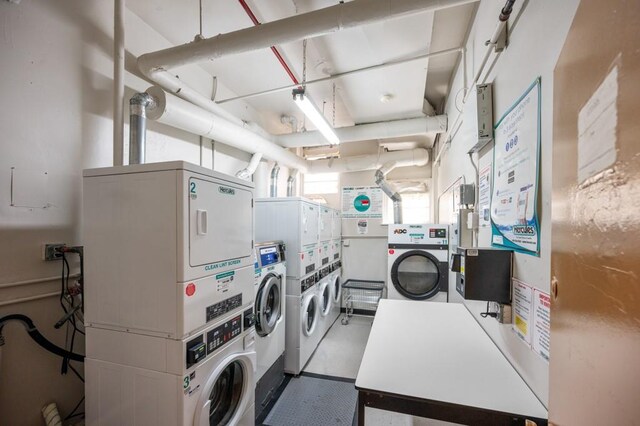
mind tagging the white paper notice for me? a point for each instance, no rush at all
(522, 299)
(363, 226)
(597, 122)
(484, 196)
(541, 324)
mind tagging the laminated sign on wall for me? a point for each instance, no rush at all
(514, 201)
(362, 202)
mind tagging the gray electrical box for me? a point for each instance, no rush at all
(483, 107)
(483, 273)
(467, 194)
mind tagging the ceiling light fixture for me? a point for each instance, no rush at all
(306, 105)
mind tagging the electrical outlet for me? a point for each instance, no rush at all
(50, 251)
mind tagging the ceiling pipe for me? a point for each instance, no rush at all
(390, 190)
(420, 126)
(248, 171)
(293, 175)
(308, 25)
(178, 113)
(118, 83)
(273, 190)
(407, 158)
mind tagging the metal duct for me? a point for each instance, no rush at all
(420, 126)
(388, 189)
(138, 105)
(118, 82)
(273, 190)
(293, 175)
(248, 171)
(411, 157)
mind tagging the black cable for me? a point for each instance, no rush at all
(75, 409)
(39, 338)
(488, 313)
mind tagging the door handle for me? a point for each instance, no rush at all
(201, 222)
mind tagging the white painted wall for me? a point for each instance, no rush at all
(534, 47)
(56, 86)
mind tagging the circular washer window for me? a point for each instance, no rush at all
(415, 275)
(337, 288)
(226, 394)
(326, 299)
(309, 318)
(268, 307)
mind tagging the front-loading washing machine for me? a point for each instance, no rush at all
(418, 262)
(335, 283)
(302, 322)
(325, 299)
(206, 379)
(270, 301)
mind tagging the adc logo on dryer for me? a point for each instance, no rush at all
(400, 231)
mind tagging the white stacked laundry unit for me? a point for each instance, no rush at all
(295, 221)
(335, 280)
(169, 292)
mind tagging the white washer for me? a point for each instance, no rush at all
(335, 282)
(325, 300)
(417, 267)
(270, 304)
(206, 379)
(302, 320)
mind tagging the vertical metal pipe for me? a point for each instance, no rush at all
(138, 105)
(273, 192)
(118, 83)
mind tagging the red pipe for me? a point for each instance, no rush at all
(255, 21)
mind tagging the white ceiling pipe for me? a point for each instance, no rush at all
(308, 25)
(178, 113)
(248, 171)
(362, 132)
(118, 82)
(411, 157)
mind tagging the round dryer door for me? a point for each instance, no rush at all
(336, 287)
(325, 299)
(309, 315)
(225, 395)
(415, 274)
(268, 304)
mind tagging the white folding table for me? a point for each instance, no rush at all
(434, 360)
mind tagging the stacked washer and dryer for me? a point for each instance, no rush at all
(270, 301)
(169, 296)
(418, 262)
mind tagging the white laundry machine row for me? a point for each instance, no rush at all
(295, 221)
(163, 256)
(207, 379)
(303, 332)
(270, 302)
(418, 262)
(325, 299)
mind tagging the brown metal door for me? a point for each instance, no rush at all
(595, 266)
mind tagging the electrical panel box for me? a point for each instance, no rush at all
(483, 273)
(467, 194)
(483, 108)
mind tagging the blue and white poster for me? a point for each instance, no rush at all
(514, 200)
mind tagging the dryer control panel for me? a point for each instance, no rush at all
(418, 234)
(223, 333)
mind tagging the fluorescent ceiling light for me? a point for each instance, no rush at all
(312, 112)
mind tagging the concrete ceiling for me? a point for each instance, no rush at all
(357, 96)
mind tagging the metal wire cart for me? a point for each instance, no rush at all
(360, 295)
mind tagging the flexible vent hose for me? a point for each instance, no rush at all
(51, 415)
(39, 338)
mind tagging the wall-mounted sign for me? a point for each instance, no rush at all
(362, 202)
(514, 201)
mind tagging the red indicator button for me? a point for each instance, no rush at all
(392, 251)
(191, 289)
(302, 256)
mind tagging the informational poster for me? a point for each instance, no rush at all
(362, 202)
(484, 196)
(363, 226)
(514, 201)
(522, 299)
(541, 324)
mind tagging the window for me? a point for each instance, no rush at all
(415, 208)
(321, 183)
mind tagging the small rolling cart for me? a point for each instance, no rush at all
(361, 295)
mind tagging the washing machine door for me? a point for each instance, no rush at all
(325, 298)
(416, 275)
(268, 304)
(226, 393)
(336, 287)
(309, 315)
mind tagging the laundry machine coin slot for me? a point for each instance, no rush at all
(196, 350)
(249, 318)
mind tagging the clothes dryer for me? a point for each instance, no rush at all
(418, 262)
(270, 301)
(302, 322)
